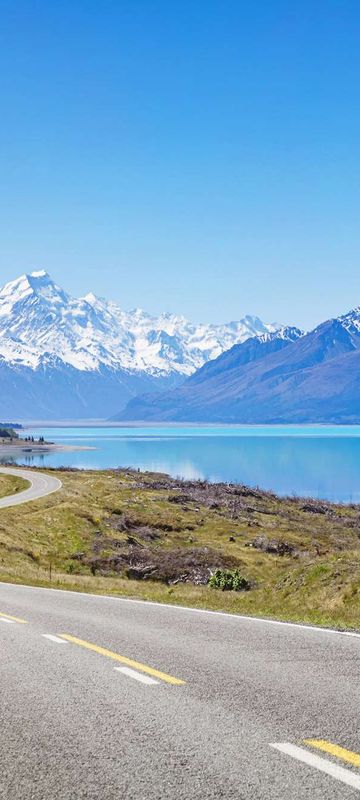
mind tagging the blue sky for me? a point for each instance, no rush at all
(197, 157)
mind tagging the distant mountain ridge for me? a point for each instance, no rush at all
(66, 357)
(277, 378)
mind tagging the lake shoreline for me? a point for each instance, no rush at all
(15, 448)
(322, 462)
(156, 538)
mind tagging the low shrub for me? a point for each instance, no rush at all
(229, 580)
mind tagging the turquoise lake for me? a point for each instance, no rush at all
(317, 461)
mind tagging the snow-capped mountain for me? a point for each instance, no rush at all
(351, 321)
(40, 321)
(62, 357)
(279, 378)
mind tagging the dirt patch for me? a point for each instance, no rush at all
(180, 565)
(273, 546)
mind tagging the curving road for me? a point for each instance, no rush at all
(40, 486)
(108, 698)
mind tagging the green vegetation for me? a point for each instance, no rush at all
(8, 433)
(31, 439)
(148, 536)
(229, 580)
(11, 485)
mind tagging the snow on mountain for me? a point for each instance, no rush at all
(351, 321)
(39, 321)
(286, 377)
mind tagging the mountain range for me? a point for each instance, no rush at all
(280, 377)
(62, 357)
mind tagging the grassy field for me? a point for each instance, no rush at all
(151, 537)
(10, 485)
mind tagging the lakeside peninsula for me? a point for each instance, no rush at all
(13, 444)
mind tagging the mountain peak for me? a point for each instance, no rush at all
(31, 284)
(39, 274)
(97, 303)
(89, 333)
(90, 297)
(351, 320)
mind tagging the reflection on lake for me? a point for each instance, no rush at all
(319, 461)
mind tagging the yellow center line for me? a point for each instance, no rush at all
(123, 660)
(15, 619)
(335, 750)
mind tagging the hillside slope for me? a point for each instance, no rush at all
(147, 535)
(270, 379)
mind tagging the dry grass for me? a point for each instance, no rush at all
(10, 485)
(302, 557)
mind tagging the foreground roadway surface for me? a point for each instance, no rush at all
(40, 486)
(107, 698)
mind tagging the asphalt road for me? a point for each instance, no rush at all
(40, 486)
(106, 698)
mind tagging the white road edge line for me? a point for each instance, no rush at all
(243, 617)
(131, 673)
(339, 773)
(9, 621)
(22, 473)
(54, 638)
